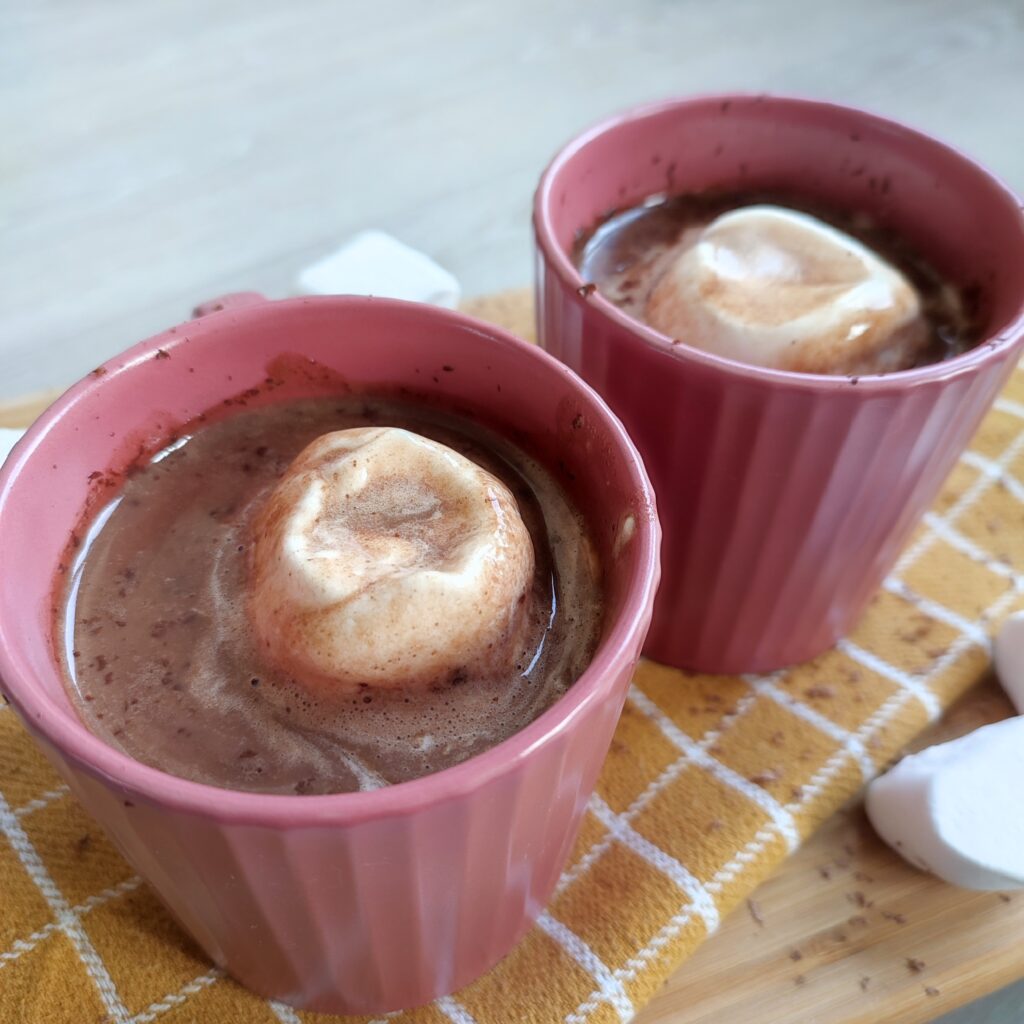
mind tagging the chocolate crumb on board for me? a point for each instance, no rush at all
(800, 980)
(795, 955)
(931, 990)
(755, 913)
(857, 921)
(858, 899)
(914, 965)
(825, 871)
(1005, 897)
(865, 983)
(896, 918)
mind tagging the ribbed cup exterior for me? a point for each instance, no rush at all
(785, 498)
(353, 903)
(369, 917)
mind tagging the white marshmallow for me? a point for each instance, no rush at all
(955, 810)
(773, 287)
(374, 263)
(386, 559)
(1008, 655)
(8, 439)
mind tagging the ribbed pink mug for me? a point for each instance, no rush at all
(785, 498)
(360, 902)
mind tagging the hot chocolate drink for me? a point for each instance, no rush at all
(761, 280)
(324, 596)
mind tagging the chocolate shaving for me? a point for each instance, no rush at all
(819, 691)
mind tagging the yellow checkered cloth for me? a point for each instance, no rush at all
(710, 782)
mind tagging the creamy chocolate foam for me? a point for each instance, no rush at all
(383, 558)
(751, 277)
(163, 661)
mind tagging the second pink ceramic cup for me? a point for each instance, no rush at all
(356, 902)
(785, 498)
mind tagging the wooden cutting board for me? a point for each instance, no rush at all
(845, 932)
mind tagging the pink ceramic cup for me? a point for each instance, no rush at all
(362, 902)
(785, 498)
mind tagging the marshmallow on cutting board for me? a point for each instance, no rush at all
(1008, 655)
(374, 263)
(955, 808)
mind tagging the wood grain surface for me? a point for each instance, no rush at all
(845, 932)
(848, 933)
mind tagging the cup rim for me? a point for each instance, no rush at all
(544, 234)
(71, 737)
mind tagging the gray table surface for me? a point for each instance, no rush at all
(156, 153)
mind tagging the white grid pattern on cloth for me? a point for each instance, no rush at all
(766, 685)
(698, 897)
(454, 1011)
(667, 864)
(41, 801)
(609, 988)
(855, 745)
(1003, 475)
(66, 920)
(935, 610)
(283, 1012)
(22, 946)
(912, 684)
(1004, 404)
(177, 998)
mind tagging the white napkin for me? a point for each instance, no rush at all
(374, 263)
(8, 439)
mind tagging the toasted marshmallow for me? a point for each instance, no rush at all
(773, 287)
(385, 559)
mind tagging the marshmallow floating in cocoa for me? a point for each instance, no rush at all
(386, 559)
(774, 287)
